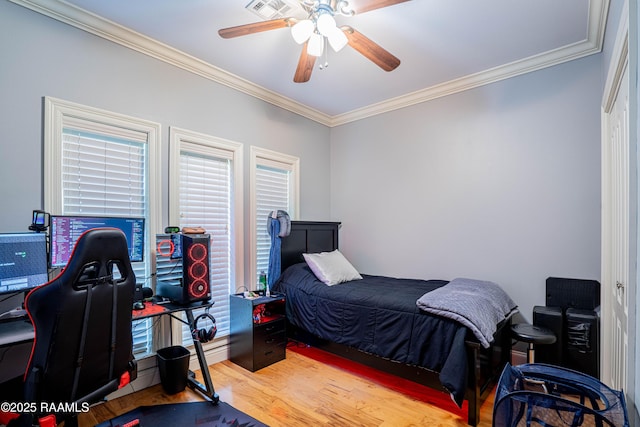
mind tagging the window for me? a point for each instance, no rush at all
(274, 183)
(206, 191)
(103, 163)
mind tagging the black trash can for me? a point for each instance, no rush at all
(173, 363)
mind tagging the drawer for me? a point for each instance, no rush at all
(269, 354)
(269, 340)
(268, 331)
(270, 343)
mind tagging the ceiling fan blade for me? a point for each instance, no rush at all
(256, 27)
(371, 50)
(362, 6)
(305, 66)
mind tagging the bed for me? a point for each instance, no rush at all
(395, 336)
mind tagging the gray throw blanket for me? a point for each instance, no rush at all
(479, 305)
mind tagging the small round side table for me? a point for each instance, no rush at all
(532, 334)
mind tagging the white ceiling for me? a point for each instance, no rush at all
(445, 46)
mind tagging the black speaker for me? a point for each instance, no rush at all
(552, 319)
(137, 293)
(195, 285)
(582, 348)
(572, 293)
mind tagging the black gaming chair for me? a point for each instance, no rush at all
(82, 320)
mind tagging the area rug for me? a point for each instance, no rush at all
(409, 388)
(200, 414)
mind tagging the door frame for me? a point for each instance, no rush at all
(616, 67)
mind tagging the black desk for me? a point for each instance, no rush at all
(153, 309)
(18, 331)
(15, 331)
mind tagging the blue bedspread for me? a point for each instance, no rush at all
(379, 315)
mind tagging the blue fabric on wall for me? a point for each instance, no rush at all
(274, 252)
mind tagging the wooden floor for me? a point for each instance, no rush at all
(299, 391)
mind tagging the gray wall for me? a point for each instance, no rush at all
(498, 183)
(42, 57)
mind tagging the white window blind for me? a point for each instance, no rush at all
(272, 192)
(205, 198)
(104, 173)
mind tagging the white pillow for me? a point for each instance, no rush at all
(331, 267)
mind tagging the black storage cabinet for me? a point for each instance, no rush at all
(258, 331)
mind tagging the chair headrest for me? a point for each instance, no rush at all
(95, 253)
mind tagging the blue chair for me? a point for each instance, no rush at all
(546, 395)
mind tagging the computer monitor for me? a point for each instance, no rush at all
(23, 261)
(65, 231)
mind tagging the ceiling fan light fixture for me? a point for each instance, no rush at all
(315, 45)
(320, 29)
(337, 39)
(325, 23)
(302, 31)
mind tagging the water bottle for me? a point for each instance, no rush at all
(262, 283)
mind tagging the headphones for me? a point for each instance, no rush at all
(203, 335)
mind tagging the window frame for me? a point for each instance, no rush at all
(57, 114)
(209, 145)
(56, 111)
(274, 159)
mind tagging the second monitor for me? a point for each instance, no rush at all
(65, 231)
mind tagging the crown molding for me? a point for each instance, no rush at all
(592, 44)
(94, 24)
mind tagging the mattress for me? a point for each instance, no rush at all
(379, 315)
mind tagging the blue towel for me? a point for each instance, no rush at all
(274, 252)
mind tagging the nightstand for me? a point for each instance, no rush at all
(258, 331)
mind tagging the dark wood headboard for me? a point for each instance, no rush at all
(308, 237)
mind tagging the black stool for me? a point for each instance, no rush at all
(532, 334)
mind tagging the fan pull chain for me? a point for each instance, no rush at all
(326, 55)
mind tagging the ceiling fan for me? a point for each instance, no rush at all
(320, 29)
